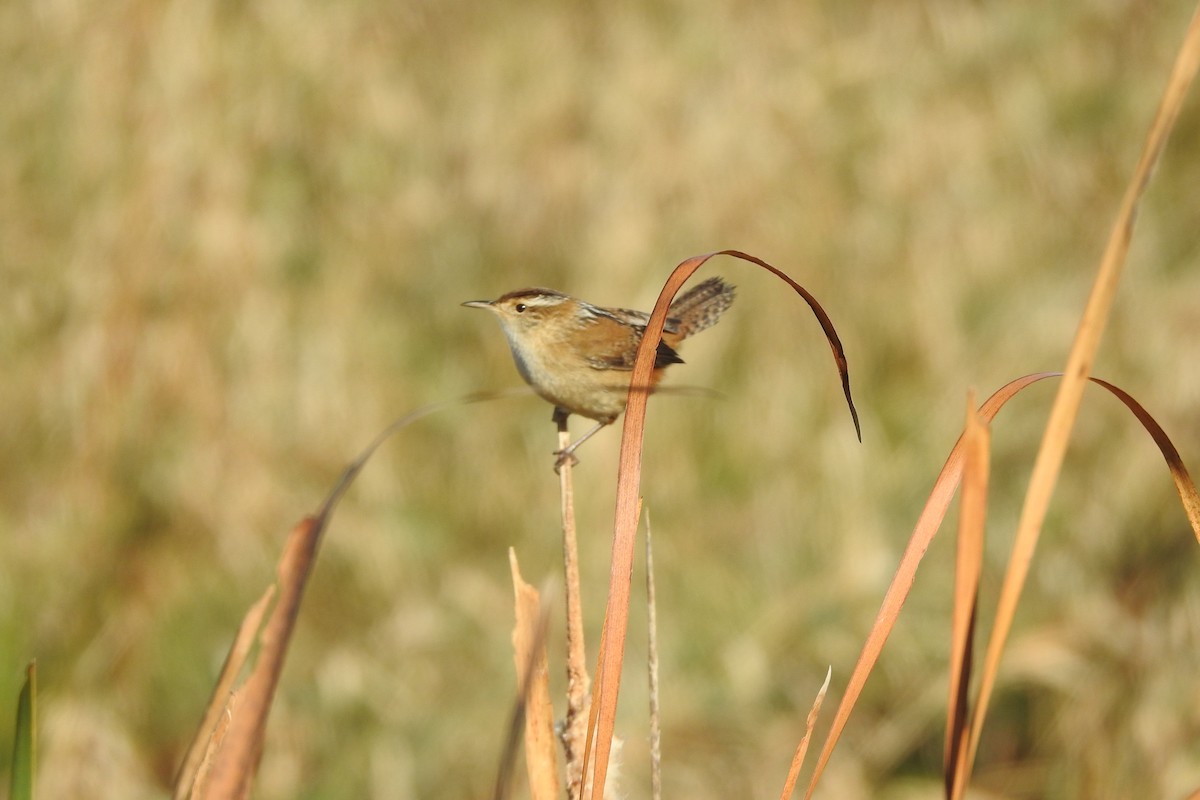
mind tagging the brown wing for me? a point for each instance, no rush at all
(665, 356)
(610, 342)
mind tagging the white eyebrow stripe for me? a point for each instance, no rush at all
(543, 300)
(540, 298)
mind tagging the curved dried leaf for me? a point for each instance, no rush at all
(616, 617)
(1018, 567)
(1058, 429)
(927, 526)
(1053, 447)
(234, 759)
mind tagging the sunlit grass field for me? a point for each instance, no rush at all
(234, 240)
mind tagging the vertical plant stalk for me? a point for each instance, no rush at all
(652, 668)
(574, 733)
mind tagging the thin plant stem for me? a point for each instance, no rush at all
(652, 667)
(574, 734)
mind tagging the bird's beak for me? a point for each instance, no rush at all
(478, 304)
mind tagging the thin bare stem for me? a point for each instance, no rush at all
(652, 666)
(574, 734)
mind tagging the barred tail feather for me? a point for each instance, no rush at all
(701, 307)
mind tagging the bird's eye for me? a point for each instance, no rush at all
(520, 307)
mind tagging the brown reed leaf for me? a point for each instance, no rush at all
(616, 616)
(209, 734)
(236, 761)
(1054, 441)
(789, 785)
(1179, 473)
(967, 570)
(928, 522)
(533, 684)
(927, 526)
(1079, 366)
(234, 757)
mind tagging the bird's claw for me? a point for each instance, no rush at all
(564, 457)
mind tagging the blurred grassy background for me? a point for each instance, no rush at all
(233, 242)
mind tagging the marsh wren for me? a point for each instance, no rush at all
(580, 356)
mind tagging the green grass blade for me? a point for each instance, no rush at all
(24, 756)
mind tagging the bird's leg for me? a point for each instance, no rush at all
(559, 418)
(568, 453)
